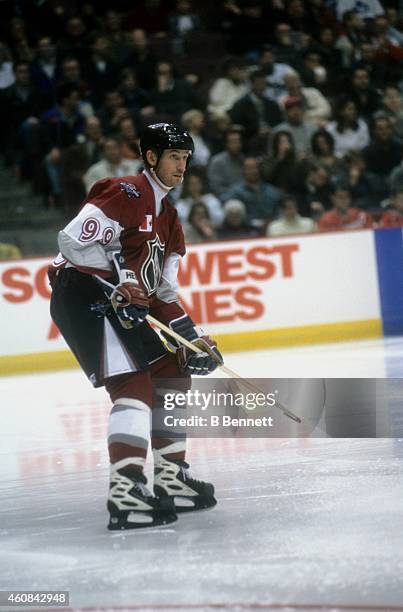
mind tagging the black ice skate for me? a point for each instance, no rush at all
(131, 505)
(172, 478)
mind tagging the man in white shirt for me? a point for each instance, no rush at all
(316, 107)
(113, 164)
(229, 88)
(290, 221)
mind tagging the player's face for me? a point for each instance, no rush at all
(172, 166)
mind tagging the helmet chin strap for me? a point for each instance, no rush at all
(158, 180)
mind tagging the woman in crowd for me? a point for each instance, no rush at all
(322, 145)
(350, 132)
(194, 192)
(198, 227)
(193, 121)
(282, 167)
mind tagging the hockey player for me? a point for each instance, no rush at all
(118, 262)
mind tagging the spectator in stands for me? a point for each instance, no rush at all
(352, 36)
(365, 187)
(342, 216)
(7, 77)
(316, 107)
(235, 224)
(284, 47)
(313, 73)
(394, 32)
(99, 68)
(116, 37)
(129, 139)
(225, 168)
(198, 227)
(388, 51)
(290, 221)
(367, 10)
(75, 40)
(134, 97)
(172, 96)
(313, 192)
(112, 164)
(275, 73)
(194, 190)
(349, 132)
(113, 111)
(71, 75)
(217, 128)
(297, 15)
(75, 161)
(331, 56)
(60, 127)
(256, 114)
(20, 102)
(193, 121)
(63, 123)
(393, 108)
(19, 42)
(322, 145)
(394, 216)
(361, 91)
(229, 88)
(378, 71)
(384, 152)
(281, 168)
(300, 130)
(260, 198)
(45, 68)
(141, 59)
(182, 23)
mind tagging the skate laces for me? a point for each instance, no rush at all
(184, 467)
(138, 481)
(141, 488)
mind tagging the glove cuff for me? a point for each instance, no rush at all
(124, 274)
(186, 327)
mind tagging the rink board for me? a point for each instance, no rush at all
(249, 294)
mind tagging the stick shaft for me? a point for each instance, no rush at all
(223, 368)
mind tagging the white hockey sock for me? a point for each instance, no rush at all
(129, 432)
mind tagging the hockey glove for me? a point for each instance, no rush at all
(130, 303)
(201, 363)
(128, 299)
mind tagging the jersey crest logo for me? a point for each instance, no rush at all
(151, 270)
(130, 190)
(147, 224)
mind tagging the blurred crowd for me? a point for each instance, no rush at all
(295, 107)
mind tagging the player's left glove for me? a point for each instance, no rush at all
(201, 363)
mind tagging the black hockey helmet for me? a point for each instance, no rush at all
(161, 136)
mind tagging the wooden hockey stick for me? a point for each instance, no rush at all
(223, 368)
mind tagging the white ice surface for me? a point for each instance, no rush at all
(299, 522)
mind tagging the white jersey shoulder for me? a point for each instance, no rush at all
(89, 238)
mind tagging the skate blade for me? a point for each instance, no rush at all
(137, 520)
(186, 504)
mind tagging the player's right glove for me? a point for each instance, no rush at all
(130, 303)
